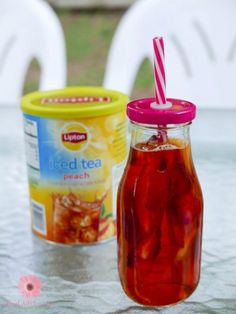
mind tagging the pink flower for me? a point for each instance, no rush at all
(30, 286)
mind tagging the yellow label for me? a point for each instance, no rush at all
(74, 168)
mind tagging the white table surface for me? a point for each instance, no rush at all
(85, 279)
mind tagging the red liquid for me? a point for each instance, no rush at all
(159, 219)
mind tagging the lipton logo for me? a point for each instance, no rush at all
(74, 136)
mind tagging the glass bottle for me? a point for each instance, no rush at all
(159, 207)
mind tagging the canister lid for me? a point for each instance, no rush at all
(73, 102)
(174, 112)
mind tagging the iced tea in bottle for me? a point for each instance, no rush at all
(159, 206)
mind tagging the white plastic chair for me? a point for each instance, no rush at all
(200, 40)
(29, 29)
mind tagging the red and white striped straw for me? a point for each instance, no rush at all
(159, 70)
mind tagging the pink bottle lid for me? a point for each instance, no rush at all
(175, 111)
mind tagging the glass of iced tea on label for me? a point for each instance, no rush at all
(159, 206)
(75, 221)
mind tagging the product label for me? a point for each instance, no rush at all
(74, 170)
(31, 144)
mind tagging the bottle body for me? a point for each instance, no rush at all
(159, 217)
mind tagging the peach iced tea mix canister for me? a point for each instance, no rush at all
(75, 147)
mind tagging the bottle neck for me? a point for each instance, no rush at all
(164, 136)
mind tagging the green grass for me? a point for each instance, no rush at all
(143, 86)
(88, 37)
(87, 34)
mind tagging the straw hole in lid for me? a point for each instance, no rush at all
(167, 105)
